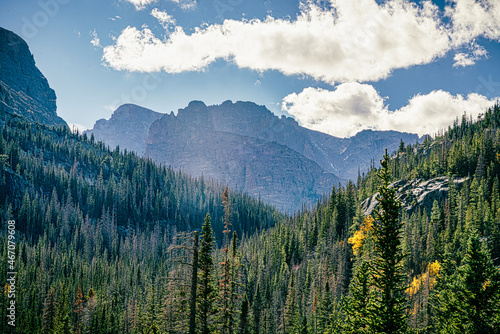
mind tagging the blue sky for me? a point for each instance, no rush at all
(335, 66)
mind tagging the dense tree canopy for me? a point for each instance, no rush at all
(107, 242)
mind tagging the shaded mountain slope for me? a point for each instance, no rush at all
(24, 91)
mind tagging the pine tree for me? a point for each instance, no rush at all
(150, 321)
(325, 308)
(467, 300)
(79, 305)
(194, 285)
(433, 235)
(49, 312)
(291, 316)
(206, 291)
(234, 283)
(336, 321)
(62, 321)
(226, 315)
(357, 303)
(303, 329)
(89, 311)
(244, 329)
(257, 310)
(388, 314)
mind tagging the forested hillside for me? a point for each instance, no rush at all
(91, 218)
(319, 268)
(111, 243)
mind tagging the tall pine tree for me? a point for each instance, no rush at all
(388, 312)
(206, 290)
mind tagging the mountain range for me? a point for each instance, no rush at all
(249, 148)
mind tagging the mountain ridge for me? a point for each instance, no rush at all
(24, 90)
(261, 168)
(172, 139)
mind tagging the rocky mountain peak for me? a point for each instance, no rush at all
(24, 91)
(246, 146)
(196, 105)
(239, 144)
(128, 127)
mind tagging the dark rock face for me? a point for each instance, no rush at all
(416, 193)
(219, 144)
(24, 91)
(128, 128)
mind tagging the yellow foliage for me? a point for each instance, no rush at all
(359, 236)
(428, 277)
(433, 268)
(414, 286)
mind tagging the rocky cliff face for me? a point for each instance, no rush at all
(128, 128)
(340, 156)
(24, 91)
(196, 142)
(416, 193)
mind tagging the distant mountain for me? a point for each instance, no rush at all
(128, 127)
(366, 147)
(249, 148)
(341, 156)
(197, 142)
(24, 91)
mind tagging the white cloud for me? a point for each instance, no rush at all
(343, 41)
(185, 4)
(352, 107)
(469, 58)
(472, 19)
(141, 4)
(140, 51)
(343, 112)
(96, 42)
(427, 114)
(463, 60)
(352, 41)
(163, 18)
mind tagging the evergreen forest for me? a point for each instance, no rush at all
(108, 242)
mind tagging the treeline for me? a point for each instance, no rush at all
(111, 243)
